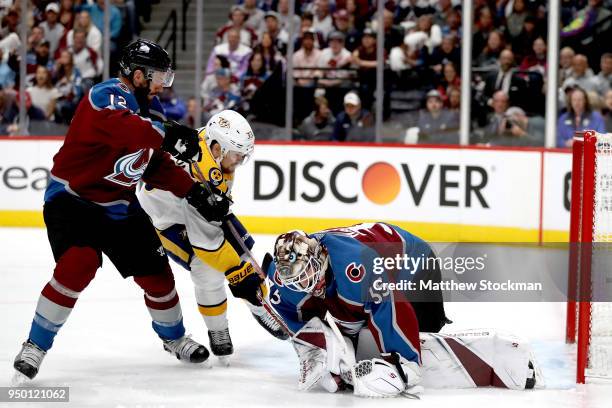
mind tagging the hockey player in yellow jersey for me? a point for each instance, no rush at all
(207, 248)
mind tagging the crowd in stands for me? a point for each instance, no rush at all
(334, 59)
(64, 54)
(334, 63)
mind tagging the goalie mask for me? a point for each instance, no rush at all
(301, 262)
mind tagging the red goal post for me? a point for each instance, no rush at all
(589, 319)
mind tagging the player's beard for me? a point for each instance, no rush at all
(142, 97)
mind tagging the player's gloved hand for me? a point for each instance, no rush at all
(245, 283)
(213, 205)
(181, 142)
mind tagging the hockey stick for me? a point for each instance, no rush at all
(264, 302)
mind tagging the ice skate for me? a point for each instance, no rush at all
(28, 362)
(221, 345)
(187, 350)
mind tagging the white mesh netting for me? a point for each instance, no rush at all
(600, 350)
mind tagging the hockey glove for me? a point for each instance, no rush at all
(245, 283)
(181, 142)
(213, 207)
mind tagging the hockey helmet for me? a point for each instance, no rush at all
(301, 262)
(149, 57)
(233, 133)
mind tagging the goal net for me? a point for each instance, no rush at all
(589, 311)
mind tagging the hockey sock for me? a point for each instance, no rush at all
(73, 272)
(163, 304)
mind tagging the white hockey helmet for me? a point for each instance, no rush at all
(301, 262)
(233, 133)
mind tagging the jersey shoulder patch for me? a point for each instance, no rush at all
(210, 168)
(112, 94)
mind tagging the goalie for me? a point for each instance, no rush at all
(345, 337)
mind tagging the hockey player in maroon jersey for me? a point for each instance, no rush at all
(91, 208)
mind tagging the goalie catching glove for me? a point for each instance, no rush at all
(211, 204)
(245, 284)
(182, 142)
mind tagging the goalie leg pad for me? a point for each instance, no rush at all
(321, 354)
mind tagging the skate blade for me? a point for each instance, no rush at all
(19, 379)
(224, 361)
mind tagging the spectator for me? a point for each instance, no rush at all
(237, 16)
(499, 103)
(174, 106)
(53, 30)
(253, 79)
(517, 129)
(37, 35)
(256, 16)
(93, 35)
(192, 113)
(433, 32)
(67, 14)
(307, 25)
(490, 54)
(333, 57)
(224, 95)
(7, 75)
(501, 78)
(272, 57)
(87, 60)
(454, 99)
(443, 11)
(283, 15)
(96, 12)
(357, 19)
(566, 56)
(42, 57)
(306, 57)
(319, 125)
(9, 28)
(341, 24)
(516, 13)
(437, 124)
(523, 43)
(210, 81)
(364, 58)
(323, 21)
(68, 82)
(536, 61)
(444, 53)
(579, 116)
(43, 93)
(603, 80)
(237, 54)
(484, 26)
(450, 80)
(595, 12)
(408, 62)
(8, 109)
(394, 35)
(581, 76)
(279, 36)
(607, 110)
(354, 123)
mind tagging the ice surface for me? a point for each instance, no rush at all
(109, 356)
